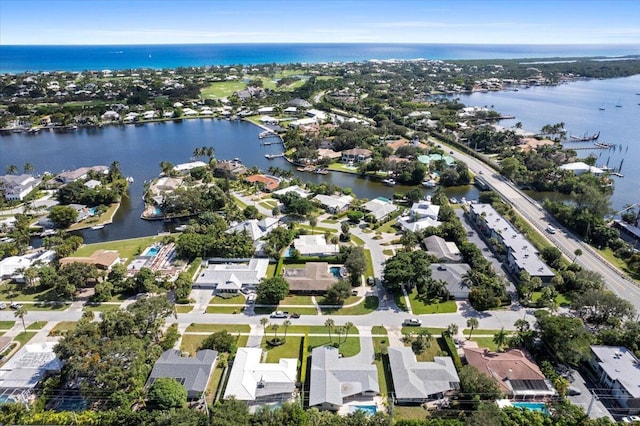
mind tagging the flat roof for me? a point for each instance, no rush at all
(620, 364)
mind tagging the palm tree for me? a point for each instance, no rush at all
(264, 322)
(329, 323)
(20, 313)
(522, 325)
(197, 152)
(12, 169)
(275, 328)
(347, 327)
(286, 325)
(28, 168)
(166, 167)
(577, 253)
(472, 323)
(500, 339)
(453, 329)
(313, 221)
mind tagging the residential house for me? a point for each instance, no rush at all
(336, 380)
(617, 369)
(428, 159)
(303, 193)
(521, 254)
(110, 116)
(334, 203)
(379, 208)
(445, 251)
(185, 168)
(314, 245)
(452, 274)
(255, 382)
(580, 168)
(356, 155)
(411, 225)
(328, 153)
(268, 183)
(231, 169)
(315, 277)
(255, 228)
(92, 184)
(317, 114)
(192, 373)
(230, 277)
(12, 267)
(267, 119)
(16, 187)
(300, 103)
(514, 371)
(419, 382)
(101, 259)
(27, 367)
(424, 209)
(81, 173)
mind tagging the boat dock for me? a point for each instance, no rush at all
(272, 156)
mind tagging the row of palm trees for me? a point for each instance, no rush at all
(12, 169)
(329, 323)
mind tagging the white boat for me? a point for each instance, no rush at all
(453, 200)
(428, 198)
(181, 228)
(429, 183)
(389, 182)
(130, 179)
(96, 227)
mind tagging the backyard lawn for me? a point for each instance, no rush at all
(183, 309)
(436, 349)
(126, 248)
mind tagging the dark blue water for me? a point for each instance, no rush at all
(15, 59)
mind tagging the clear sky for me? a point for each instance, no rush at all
(332, 21)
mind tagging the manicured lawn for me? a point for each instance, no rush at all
(561, 299)
(191, 342)
(388, 227)
(415, 330)
(485, 342)
(20, 293)
(408, 412)
(221, 89)
(214, 383)
(479, 331)
(271, 270)
(212, 328)
(64, 326)
(379, 344)
(23, 337)
(378, 329)
(235, 300)
(315, 329)
(419, 307)
(96, 220)
(317, 229)
(36, 325)
(296, 300)
(224, 309)
(332, 221)
(6, 325)
(126, 248)
(349, 348)
(369, 305)
(436, 349)
(183, 309)
(301, 311)
(340, 167)
(349, 300)
(357, 240)
(368, 270)
(100, 308)
(290, 349)
(46, 306)
(399, 299)
(388, 252)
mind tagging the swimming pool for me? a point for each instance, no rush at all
(151, 251)
(369, 410)
(533, 406)
(288, 252)
(335, 271)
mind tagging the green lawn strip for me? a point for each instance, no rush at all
(239, 203)
(45, 306)
(100, 308)
(349, 300)
(317, 229)
(290, 349)
(183, 309)
(415, 330)
(485, 342)
(235, 300)
(212, 328)
(191, 342)
(380, 345)
(368, 271)
(126, 248)
(349, 348)
(560, 300)
(378, 329)
(388, 227)
(224, 309)
(301, 311)
(340, 167)
(436, 349)
(621, 264)
(388, 252)
(399, 299)
(63, 326)
(267, 206)
(296, 300)
(271, 270)
(357, 240)
(23, 337)
(6, 325)
(408, 412)
(419, 307)
(25, 294)
(214, 383)
(36, 325)
(332, 221)
(222, 89)
(194, 266)
(315, 329)
(370, 304)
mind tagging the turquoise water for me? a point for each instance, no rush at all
(369, 410)
(152, 251)
(335, 271)
(288, 252)
(92, 211)
(533, 406)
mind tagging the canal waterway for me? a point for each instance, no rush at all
(140, 149)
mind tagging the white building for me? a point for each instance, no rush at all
(314, 245)
(379, 208)
(186, 167)
(334, 203)
(16, 187)
(232, 277)
(580, 168)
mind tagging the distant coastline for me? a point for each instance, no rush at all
(34, 58)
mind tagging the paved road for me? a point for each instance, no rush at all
(566, 241)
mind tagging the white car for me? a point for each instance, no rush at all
(412, 322)
(551, 229)
(279, 314)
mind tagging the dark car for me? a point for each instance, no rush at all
(295, 315)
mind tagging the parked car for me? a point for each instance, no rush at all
(3, 305)
(551, 229)
(295, 315)
(251, 298)
(354, 292)
(370, 280)
(573, 391)
(279, 314)
(15, 305)
(412, 322)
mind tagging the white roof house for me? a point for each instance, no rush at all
(618, 369)
(256, 382)
(16, 187)
(379, 208)
(334, 203)
(294, 188)
(424, 209)
(579, 168)
(334, 379)
(28, 366)
(231, 277)
(185, 167)
(10, 266)
(417, 382)
(408, 224)
(254, 227)
(314, 245)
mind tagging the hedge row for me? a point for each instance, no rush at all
(450, 347)
(304, 357)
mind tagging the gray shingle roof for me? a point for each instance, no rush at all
(192, 372)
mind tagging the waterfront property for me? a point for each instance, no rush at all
(256, 229)
(334, 203)
(79, 174)
(356, 155)
(16, 187)
(192, 373)
(231, 169)
(303, 193)
(445, 251)
(617, 369)
(258, 383)
(521, 254)
(419, 382)
(514, 371)
(411, 225)
(580, 168)
(267, 183)
(315, 277)
(227, 276)
(101, 259)
(185, 168)
(13, 267)
(453, 274)
(379, 208)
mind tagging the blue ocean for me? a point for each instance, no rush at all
(16, 59)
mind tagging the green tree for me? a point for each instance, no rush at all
(251, 212)
(500, 339)
(264, 322)
(356, 263)
(286, 324)
(20, 313)
(63, 216)
(230, 412)
(472, 323)
(166, 393)
(338, 292)
(272, 290)
(577, 253)
(330, 324)
(476, 386)
(221, 341)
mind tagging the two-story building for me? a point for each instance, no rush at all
(617, 369)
